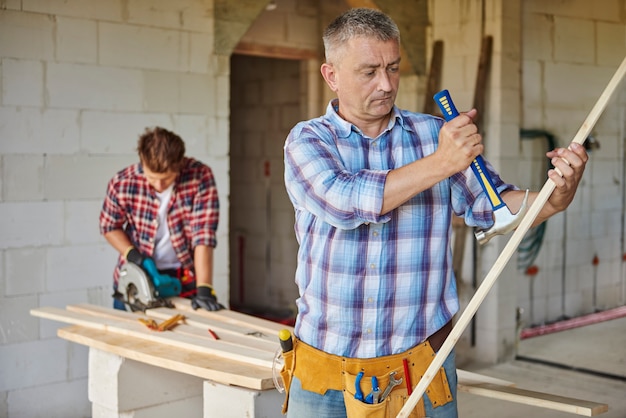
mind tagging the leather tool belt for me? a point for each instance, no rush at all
(319, 371)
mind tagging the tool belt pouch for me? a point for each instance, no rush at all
(286, 373)
(319, 372)
(387, 408)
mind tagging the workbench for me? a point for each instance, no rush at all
(182, 372)
(211, 364)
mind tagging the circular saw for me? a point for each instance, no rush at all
(139, 292)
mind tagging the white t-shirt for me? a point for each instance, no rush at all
(164, 254)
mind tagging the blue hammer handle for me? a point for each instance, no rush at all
(444, 101)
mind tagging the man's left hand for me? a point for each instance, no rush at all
(206, 299)
(571, 163)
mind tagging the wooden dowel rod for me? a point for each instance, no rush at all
(507, 252)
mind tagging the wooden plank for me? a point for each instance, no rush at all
(471, 378)
(206, 366)
(196, 354)
(200, 321)
(232, 317)
(494, 388)
(272, 51)
(259, 378)
(538, 399)
(480, 88)
(219, 348)
(194, 325)
(434, 79)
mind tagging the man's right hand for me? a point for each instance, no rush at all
(167, 285)
(459, 142)
(135, 257)
(146, 263)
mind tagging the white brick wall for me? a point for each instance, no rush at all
(38, 130)
(109, 10)
(22, 82)
(34, 31)
(574, 40)
(569, 54)
(77, 40)
(28, 224)
(23, 177)
(291, 24)
(94, 87)
(79, 81)
(130, 386)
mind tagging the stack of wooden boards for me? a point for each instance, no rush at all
(233, 348)
(242, 355)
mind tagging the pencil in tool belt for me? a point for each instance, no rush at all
(407, 377)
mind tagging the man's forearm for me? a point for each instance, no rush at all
(405, 182)
(513, 200)
(118, 240)
(203, 264)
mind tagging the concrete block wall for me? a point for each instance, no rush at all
(569, 54)
(550, 63)
(292, 24)
(234, 402)
(79, 81)
(123, 387)
(461, 26)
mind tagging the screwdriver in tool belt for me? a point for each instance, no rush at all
(286, 343)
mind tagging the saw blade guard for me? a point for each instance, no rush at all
(132, 277)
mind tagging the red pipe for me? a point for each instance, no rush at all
(574, 322)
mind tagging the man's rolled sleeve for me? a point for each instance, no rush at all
(368, 199)
(111, 216)
(475, 206)
(205, 214)
(318, 182)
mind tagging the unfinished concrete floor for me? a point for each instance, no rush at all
(593, 360)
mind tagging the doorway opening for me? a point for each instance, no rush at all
(264, 106)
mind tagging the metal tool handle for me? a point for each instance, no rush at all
(446, 105)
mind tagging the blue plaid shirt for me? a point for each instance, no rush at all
(371, 284)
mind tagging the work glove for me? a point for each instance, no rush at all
(135, 257)
(206, 299)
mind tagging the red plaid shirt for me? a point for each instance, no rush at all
(131, 204)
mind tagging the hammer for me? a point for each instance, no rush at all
(504, 221)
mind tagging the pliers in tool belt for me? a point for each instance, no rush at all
(375, 393)
(358, 394)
